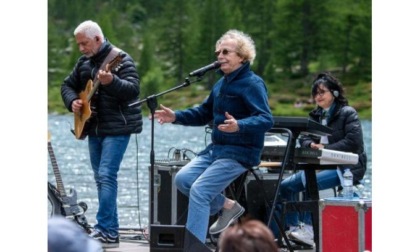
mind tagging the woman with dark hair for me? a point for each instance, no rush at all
(332, 109)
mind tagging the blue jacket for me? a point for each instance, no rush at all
(242, 94)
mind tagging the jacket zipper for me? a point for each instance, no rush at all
(122, 115)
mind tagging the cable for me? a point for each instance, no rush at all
(169, 152)
(137, 179)
(208, 131)
(184, 154)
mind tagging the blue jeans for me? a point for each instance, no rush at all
(106, 154)
(203, 181)
(290, 189)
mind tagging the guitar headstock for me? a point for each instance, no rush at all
(49, 136)
(114, 63)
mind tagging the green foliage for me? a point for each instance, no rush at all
(295, 39)
(151, 81)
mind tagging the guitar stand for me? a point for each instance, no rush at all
(82, 221)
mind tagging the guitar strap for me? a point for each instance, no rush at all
(111, 55)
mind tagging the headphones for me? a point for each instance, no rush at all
(335, 93)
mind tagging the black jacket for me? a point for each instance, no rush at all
(112, 115)
(347, 136)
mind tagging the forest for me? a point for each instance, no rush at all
(295, 40)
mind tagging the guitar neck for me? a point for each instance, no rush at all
(113, 64)
(60, 185)
(93, 91)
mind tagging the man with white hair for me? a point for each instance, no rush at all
(111, 122)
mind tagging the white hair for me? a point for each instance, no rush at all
(90, 29)
(244, 44)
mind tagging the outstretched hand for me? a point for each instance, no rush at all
(230, 124)
(164, 115)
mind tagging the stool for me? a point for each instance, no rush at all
(236, 187)
(235, 191)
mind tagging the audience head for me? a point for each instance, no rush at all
(247, 236)
(66, 236)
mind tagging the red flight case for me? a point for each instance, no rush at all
(345, 224)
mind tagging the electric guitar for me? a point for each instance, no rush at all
(81, 118)
(62, 203)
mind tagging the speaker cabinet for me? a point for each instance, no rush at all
(174, 238)
(170, 205)
(166, 238)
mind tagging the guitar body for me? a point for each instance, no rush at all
(54, 198)
(68, 208)
(81, 118)
(64, 204)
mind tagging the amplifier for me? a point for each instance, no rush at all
(170, 205)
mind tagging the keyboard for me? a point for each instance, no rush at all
(311, 156)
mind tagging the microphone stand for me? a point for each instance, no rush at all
(152, 104)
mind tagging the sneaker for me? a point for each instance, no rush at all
(304, 234)
(291, 229)
(228, 217)
(284, 242)
(105, 240)
(287, 232)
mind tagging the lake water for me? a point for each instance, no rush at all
(133, 192)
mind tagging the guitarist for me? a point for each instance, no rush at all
(112, 121)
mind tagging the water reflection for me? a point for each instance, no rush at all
(133, 191)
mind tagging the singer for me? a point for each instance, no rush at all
(238, 106)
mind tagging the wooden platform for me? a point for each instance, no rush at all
(129, 244)
(145, 247)
(130, 240)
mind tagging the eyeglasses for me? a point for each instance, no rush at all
(321, 92)
(224, 52)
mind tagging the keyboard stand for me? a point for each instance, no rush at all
(288, 156)
(296, 128)
(312, 192)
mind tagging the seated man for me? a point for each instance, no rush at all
(238, 106)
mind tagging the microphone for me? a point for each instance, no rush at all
(201, 71)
